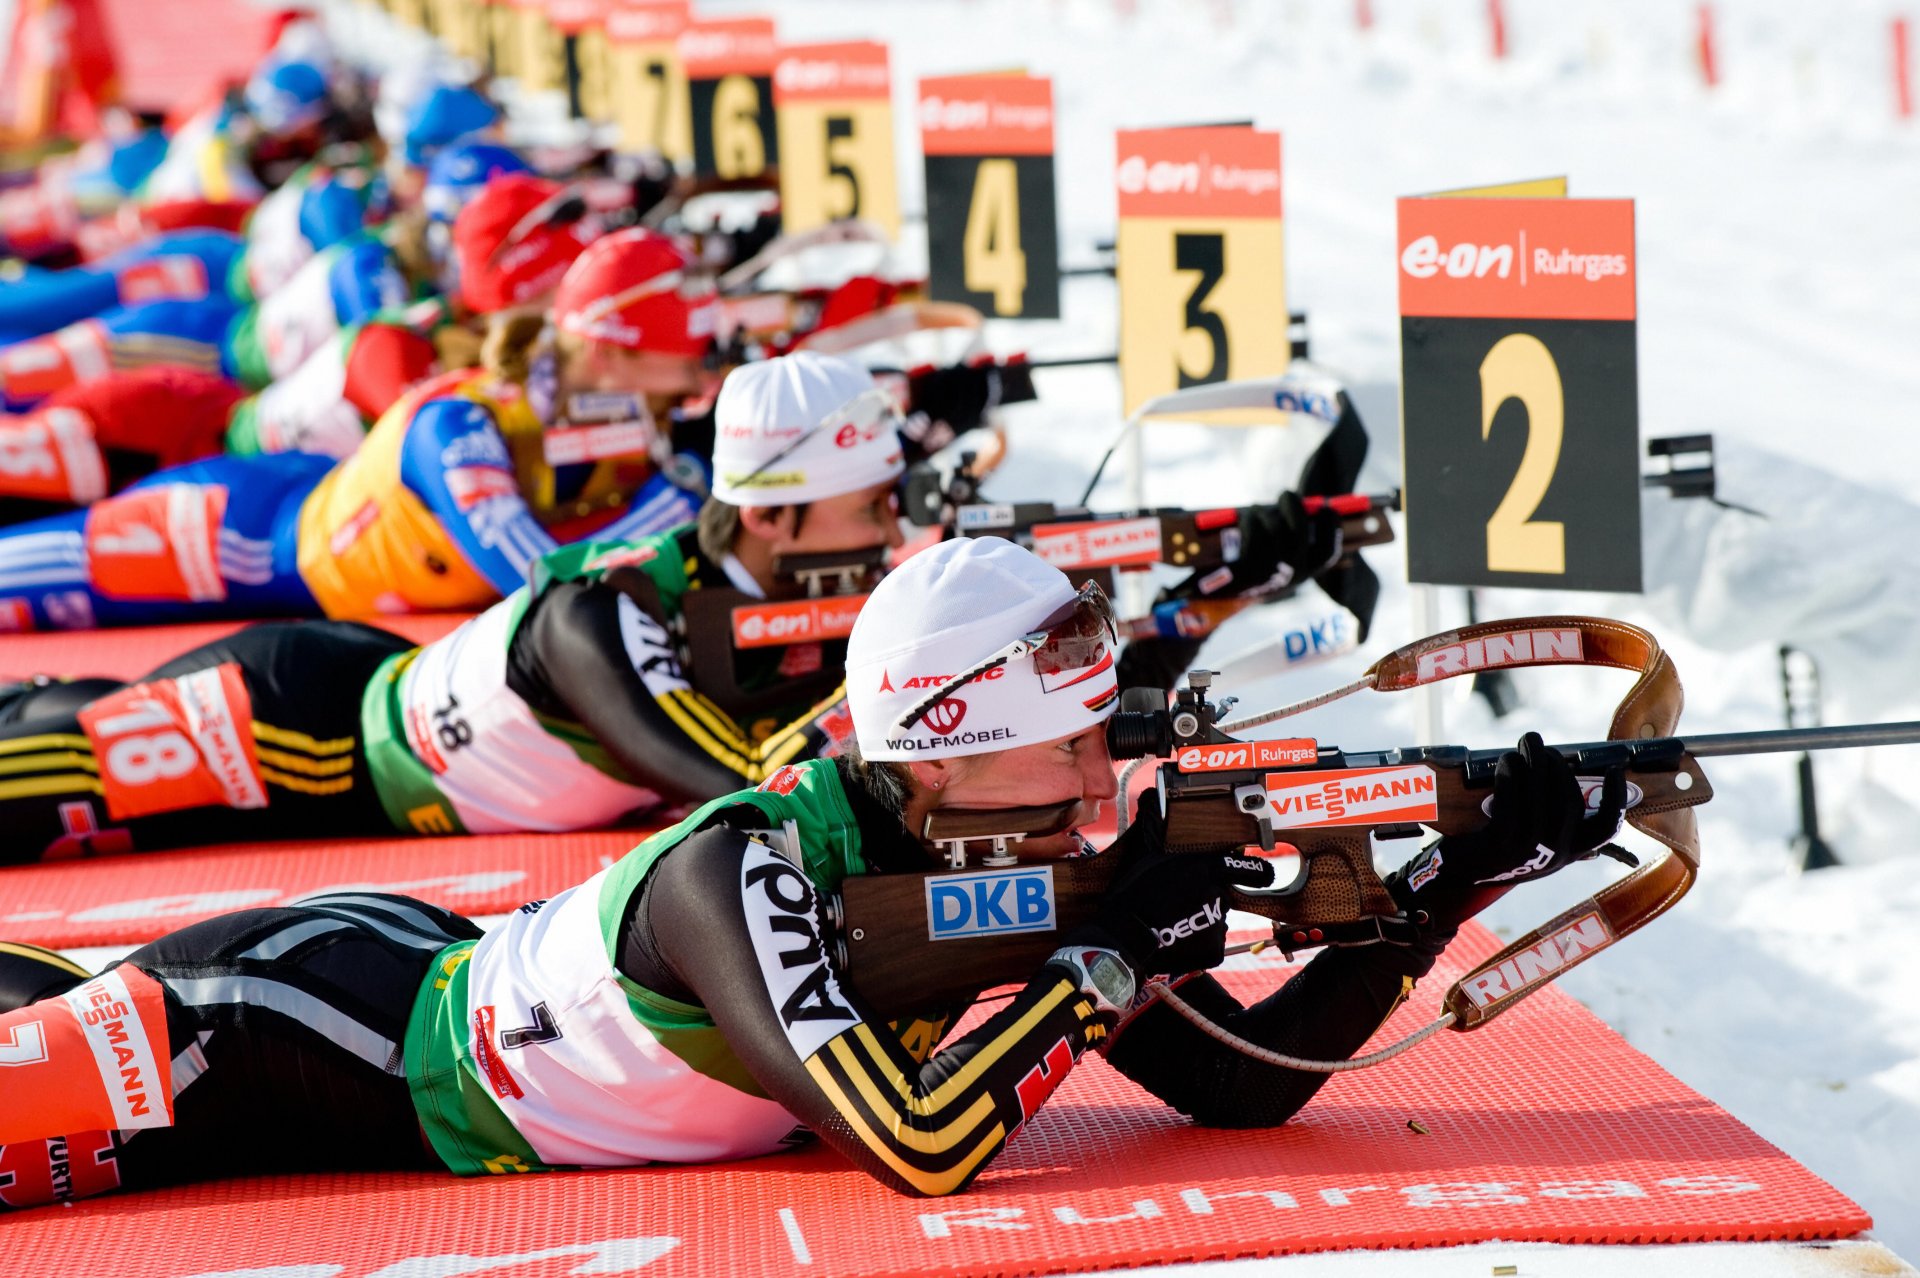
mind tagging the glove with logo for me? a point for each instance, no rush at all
(1167, 914)
(1539, 823)
(1279, 544)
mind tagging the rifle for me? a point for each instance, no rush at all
(911, 941)
(1094, 545)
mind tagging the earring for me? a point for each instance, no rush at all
(938, 784)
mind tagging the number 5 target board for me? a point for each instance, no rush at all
(836, 136)
(729, 65)
(992, 241)
(1200, 259)
(1519, 391)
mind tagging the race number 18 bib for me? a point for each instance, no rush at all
(158, 543)
(177, 743)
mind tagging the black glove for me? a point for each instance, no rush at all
(1167, 914)
(1538, 824)
(944, 403)
(1279, 545)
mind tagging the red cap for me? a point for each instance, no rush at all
(509, 247)
(632, 289)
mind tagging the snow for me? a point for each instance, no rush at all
(1779, 302)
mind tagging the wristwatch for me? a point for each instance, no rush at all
(1104, 976)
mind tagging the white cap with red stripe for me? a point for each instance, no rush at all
(974, 645)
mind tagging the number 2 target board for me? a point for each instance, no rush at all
(836, 136)
(729, 66)
(992, 238)
(1200, 259)
(1519, 386)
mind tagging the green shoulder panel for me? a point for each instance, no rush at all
(807, 793)
(665, 557)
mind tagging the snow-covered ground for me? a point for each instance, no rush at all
(1779, 302)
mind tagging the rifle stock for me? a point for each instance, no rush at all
(893, 958)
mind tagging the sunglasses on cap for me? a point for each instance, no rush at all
(863, 414)
(685, 283)
(1075, 643)
(562, 208)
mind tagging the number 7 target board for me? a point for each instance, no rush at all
(992, 241)
(1519, 393)
(836, 136)
(729, 66)
(649, 87)
(1200, 259)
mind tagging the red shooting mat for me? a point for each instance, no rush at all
(165, 56)
(123, 900)
(1543, 1127)
(130, 653)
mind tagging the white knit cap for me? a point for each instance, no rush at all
(780, 439)
(944, 611)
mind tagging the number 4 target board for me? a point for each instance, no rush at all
(1519, 386)
(1200, 259)
(836, 136)
(729, 65)
(992, 241)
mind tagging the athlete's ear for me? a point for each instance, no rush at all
(934, 775)
(768, 523)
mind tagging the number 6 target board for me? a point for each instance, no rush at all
(1200, 259)
(729, 66)
(1519, 392)
(836, 136)
(992, 241)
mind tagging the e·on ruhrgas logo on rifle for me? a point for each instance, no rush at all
(1517, 259)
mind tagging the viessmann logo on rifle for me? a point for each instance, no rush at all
(1352, 796)
(768, 625)
(1228, 756)
(1099, 545)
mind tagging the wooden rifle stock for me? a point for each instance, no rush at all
(892, 956)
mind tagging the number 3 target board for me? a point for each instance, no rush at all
(992, 241)
(836, 136)
(1519, 391)
(729, 66)
(1200, 259)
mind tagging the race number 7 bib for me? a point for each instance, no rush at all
(176, 743)
(158, 543)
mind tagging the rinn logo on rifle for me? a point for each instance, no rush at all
(1562, 947)
(1518, 648)
(990, 903)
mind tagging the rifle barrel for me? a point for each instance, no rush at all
(1480, 764)
(1779, 740)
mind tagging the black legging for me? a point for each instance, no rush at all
(288, 1024)
(305, 680)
